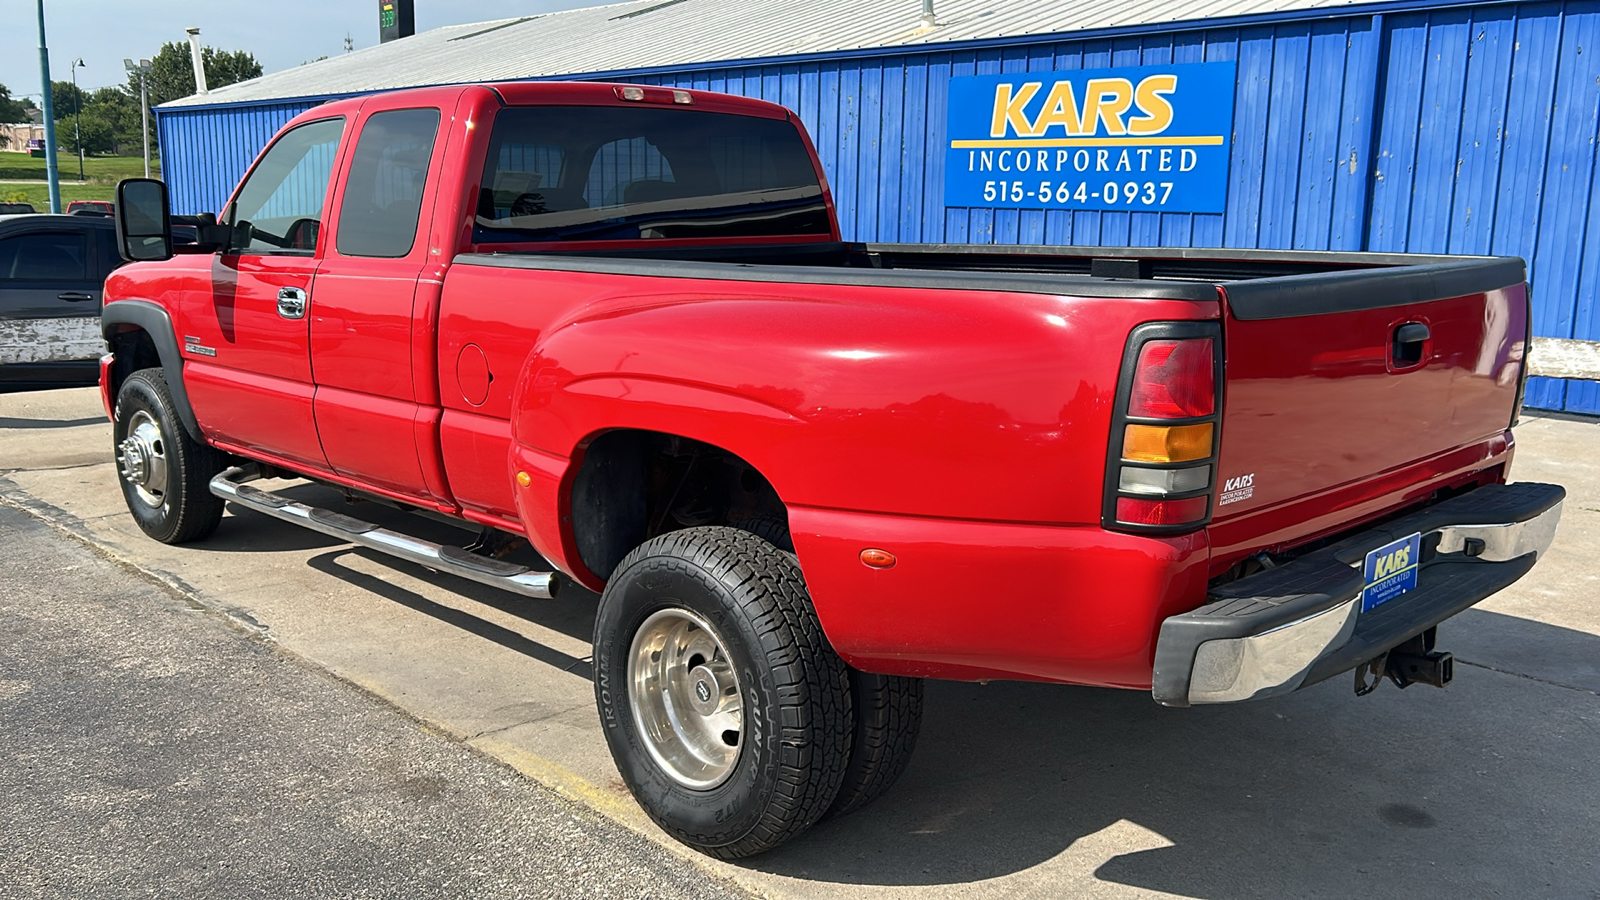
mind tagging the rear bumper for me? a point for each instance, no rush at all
(1297, 624)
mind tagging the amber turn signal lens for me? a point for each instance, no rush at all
(1166, 443)
(877, 559)
(524, 479)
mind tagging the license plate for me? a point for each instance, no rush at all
(1390, 571)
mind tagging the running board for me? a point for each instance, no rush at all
(518, 579)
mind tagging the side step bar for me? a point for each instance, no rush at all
(231, 485)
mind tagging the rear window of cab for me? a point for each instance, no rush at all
(569, 173)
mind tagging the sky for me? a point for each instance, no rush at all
(281, 33)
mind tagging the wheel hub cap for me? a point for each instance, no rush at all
(685, 698)
(142, 459)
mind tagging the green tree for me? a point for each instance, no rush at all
(172, 72)
(64, 97)
(13, 110)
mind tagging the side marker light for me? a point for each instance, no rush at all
(874, 558)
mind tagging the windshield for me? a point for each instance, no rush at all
(565, 173)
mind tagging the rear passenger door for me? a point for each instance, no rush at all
(50, 280)
(372, 340)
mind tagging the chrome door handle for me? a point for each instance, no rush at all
(292, 302)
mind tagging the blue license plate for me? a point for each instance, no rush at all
(1390, 571)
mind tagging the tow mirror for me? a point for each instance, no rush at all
(144, 220)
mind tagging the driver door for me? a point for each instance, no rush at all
(247, 359)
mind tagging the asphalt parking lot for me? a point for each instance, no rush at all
(1488, 788)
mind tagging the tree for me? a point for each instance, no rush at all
(13, 110)
(64, 97)
(172, 72)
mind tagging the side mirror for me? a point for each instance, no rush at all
(144, 220)
(207, 233)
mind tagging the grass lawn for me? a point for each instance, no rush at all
(109, 169)
(39, 194)
(101, 172)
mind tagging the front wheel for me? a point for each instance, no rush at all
(165, 474)
(727, 713)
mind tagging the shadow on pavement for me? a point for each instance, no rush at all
(29, 424)
(566, 610)
(1486, 787)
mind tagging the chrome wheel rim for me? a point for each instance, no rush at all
(142, 459)
(686, 698)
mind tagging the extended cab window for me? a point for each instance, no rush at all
(383, 192)
(279, 209)
(621, 173)
(44, 256)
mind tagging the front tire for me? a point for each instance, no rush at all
(727, 713)
(165, 474)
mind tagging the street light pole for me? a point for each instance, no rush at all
(52, 176)
(77, 114)
(143, 71)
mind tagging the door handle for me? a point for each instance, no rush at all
(292, 302)
(74, 296)
(1408, 344)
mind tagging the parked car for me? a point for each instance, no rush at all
(619, 322)
(52, 268)
(95, 207)
(12, 208)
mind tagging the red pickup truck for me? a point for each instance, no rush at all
(614, 330)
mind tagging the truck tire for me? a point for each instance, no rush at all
(771, 529)
(887, 711)
(888, 714)
(725, 709)
(164, 473)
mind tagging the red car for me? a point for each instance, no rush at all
(618, 323)
(96, 207)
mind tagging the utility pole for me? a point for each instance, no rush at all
(143, 71)
(52, 176)
(77, 114)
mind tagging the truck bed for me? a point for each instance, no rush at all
(1322, 428)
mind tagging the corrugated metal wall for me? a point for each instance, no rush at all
(1465, 130)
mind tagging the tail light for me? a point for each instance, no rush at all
(1161, 466)
(1527, 350)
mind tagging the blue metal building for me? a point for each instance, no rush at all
(1401, 126)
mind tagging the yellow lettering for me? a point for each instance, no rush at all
(1060, 108)
(1106, 99)
(1151, 100)
(1008, 109)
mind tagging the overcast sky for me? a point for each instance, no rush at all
(281, 33)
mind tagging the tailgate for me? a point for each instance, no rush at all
(1346, 392)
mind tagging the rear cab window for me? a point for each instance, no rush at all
(579, 173)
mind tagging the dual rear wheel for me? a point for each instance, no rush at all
(731, 719)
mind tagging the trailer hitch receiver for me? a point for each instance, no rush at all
(1413, 662)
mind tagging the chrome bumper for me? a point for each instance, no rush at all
(1294, 625)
